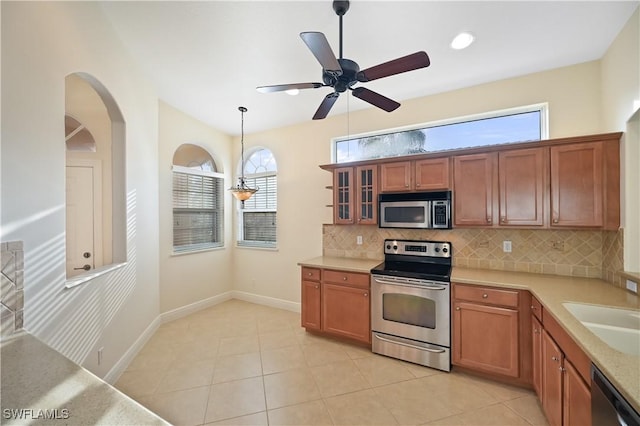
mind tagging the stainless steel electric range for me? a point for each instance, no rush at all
(410, 303)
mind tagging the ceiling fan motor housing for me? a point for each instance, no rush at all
(345, 80)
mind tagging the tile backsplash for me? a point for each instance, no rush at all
(594, 254)
(11, 287)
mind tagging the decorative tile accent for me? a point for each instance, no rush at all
(594, 254)
(11, 287)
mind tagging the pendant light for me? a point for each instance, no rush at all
(241, 191)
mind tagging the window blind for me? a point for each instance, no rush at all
(258, 217)
(197, 211)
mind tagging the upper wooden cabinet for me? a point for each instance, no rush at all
(522, 178)
(585, 185)
(561, 183)
(355, 195)
(419, 175)
(474, 184)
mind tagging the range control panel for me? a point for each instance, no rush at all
(418, 248)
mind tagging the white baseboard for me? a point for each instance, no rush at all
(116, 371)
(267, 301)
(183, 311)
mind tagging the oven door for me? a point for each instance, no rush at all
(411, 309)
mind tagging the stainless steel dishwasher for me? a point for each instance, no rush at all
(608, 407)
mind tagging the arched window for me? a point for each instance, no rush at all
(198, 201)
(258, 217)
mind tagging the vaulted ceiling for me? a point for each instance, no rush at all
(207, 57)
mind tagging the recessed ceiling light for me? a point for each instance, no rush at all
(462, 41)
(292, 92)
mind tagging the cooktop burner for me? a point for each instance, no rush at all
(427, 271)
(428, 260)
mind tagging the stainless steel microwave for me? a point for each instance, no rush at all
(423, 210)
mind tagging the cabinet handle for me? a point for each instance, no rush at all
(417, 184)
(317, 286)
(366, 294)
(488, 219)
(457, 308)
(310, 273)
(406, 185)
(562, 369)
(503, 220)
(554, 358)
(555, 220)
(485, 295)
(344, 278)
(533, 307)
(536, 331)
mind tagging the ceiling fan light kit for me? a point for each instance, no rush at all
(342, 74)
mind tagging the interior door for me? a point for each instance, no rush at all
(80, 219)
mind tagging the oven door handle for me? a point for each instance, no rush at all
(437, 351)
(427, 287)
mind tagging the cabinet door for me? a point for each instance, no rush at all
(345, 311)
(395, 177)
(536, 335)
(577, 185)
(367, 195)
(485, 338)
(552, 359)
(521, 179)
(576, 398)
(432, 174)
(343, 195)
(474, 186)
(310, 315)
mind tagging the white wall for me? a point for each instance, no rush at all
(42, 42)
(190, 278)
(621, 101)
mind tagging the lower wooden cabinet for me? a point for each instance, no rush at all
(311, 305)
(561, 387)
(336, 302)
(491, 331)
(345, 311)
(486, 338)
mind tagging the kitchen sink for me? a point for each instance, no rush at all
(619, 328)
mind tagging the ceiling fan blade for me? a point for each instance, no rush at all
(375, 99)
(319, 46)
(283, 87)
(325, 106)
(397, 66)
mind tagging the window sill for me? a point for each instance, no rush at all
(250, 247)
(95, 273)
(202, 250)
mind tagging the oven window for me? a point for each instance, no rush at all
(405, 214)
(409, 309)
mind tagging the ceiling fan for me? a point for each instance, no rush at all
(341, 73)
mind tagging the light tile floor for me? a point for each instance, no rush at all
(239, 363)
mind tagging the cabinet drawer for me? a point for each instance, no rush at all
(536, 308)
(490, 296)
(312, 274)
(350, 278)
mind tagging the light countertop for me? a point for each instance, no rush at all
(41, 386)
(623, 370)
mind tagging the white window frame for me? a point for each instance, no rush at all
(205, 246)
(542, 107)
(241, 242)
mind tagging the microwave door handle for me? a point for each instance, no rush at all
(428, 287)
